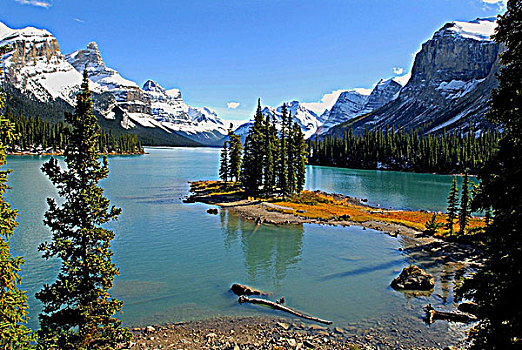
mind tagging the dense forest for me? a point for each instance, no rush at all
(273, 161)
(36, 135)
(399, 150)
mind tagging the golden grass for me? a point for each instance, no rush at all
(323, 207)
(318, 206)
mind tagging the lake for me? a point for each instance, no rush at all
(177, 262)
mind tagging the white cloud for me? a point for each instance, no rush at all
(233, 105)
(398, 70)
(502, 4)
(38, 3)
(327, 102)
(79, 20)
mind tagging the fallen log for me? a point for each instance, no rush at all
(242, 299)
(432, 315)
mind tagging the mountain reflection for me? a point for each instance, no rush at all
(268, 250)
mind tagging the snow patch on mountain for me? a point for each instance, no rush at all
(479, 29)
(34, 65)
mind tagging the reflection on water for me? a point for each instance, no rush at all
(400, 190)
(177, 262)
(266, 251)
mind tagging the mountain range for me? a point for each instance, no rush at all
(451, 79)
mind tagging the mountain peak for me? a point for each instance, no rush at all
(152, 86)
(5, 30)
(90, 57)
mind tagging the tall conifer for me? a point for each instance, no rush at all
(224, 164)
(465, 199)
(496, 287)
(13, 301)
(78, 311)
(283, 154)
(452, 206)
(235, 150)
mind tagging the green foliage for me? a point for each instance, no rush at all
(446, 153)
(274, 163)
(252, 165)
(78, 311)
(465, 199)
(452, 206)
(432, 225)
(235, 150)
(496, 287)
(36, 135)
(224, 162)
(13, 301)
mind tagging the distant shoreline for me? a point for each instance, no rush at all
(28, 153)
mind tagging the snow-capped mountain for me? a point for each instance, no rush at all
(451, 81)
(357, 102)
(34, 64)
(34, 68)
(308, 120)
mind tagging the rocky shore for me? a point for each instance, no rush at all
(241, 333)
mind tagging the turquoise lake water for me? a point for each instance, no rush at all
(177, 262)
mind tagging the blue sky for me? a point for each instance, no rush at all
(227, 53)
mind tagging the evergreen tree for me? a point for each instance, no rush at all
(78, 311)
(452, 205)
(236, 149)
(282, 182)
(465, 199)
(496, 287)
(300, 158)
(269, 168)
(224, 164)
(254, 156)
(13, 302)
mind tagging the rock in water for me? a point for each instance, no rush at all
(240, 289)
(413, 278)
(212, 211)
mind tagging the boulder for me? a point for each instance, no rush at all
(240, 289)
(469, 307)
(413, 278)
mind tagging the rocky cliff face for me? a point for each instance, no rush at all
(34, 65)
(452, 77)
(127, 93)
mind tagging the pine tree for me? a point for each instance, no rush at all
(236, 149)
(254, 155)
(13, 301)
(452, 205)
(78, 311)
(269, 169)
(465, 199)
(283, 154)
(224, 163)
(496, 287)
(301, 159)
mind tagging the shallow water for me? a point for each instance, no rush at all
(177, 262)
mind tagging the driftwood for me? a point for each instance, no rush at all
(242, 299)
(241, 289)
(432, 315)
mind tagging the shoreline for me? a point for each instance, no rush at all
(263, 332)
(61, 154)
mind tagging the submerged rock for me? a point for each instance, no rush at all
(413, 278)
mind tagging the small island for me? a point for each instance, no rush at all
(318, 207)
